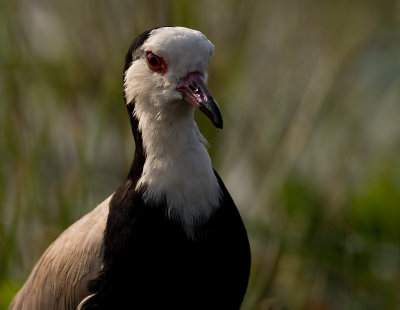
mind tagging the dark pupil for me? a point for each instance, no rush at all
(153, 61)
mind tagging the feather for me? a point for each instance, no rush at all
(75, 257)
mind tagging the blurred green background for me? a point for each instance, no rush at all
(310, 94)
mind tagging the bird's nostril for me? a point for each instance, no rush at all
(194, 88)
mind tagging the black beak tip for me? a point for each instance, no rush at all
(211, 110)
(218, 122)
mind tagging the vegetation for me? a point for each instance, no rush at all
(310, 94)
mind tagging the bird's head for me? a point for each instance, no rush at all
(166, 72)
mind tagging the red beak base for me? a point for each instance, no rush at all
(195, 91)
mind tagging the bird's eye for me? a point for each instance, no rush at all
(156, 63)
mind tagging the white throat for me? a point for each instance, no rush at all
(177, 167)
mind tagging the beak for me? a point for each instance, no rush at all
(194, 91)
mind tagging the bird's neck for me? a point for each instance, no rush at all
(176, 166)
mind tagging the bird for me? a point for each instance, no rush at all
(170, 236)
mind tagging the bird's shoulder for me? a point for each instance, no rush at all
(75, 257)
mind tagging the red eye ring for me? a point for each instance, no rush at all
(156, 63)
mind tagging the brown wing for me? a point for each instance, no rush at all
(59, 279)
